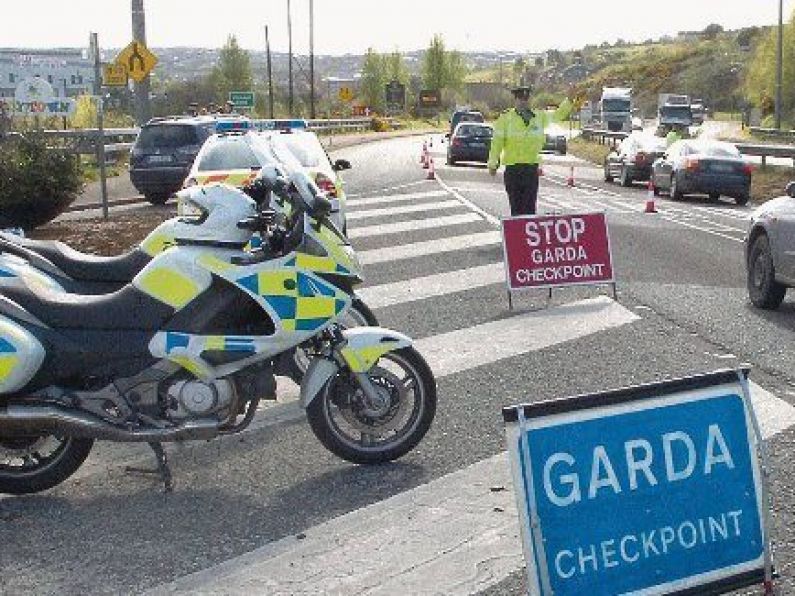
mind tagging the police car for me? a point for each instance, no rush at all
(240, 148)
(305, 146)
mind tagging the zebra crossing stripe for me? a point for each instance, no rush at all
(413, 225)
(404, 210)
(389, 199)
(429, 247)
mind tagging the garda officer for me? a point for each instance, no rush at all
(517, 142)
(673, 136)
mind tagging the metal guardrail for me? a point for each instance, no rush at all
(765, 151)
(772, 132)
(603, 135)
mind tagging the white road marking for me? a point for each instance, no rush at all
(487, 216)
(701, 229)
(742, 215)
(453, 535)
(418, 224)
(429, 247)
(438, 284)
(391, 188)
(404, 210)
(389, 199)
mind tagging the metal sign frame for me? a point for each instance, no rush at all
(510, 289)
(523, 418)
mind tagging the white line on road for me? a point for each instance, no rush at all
(417, 224)
(389, 199)
(404, 210)
(391, 188)
(438, 284)
(429, 247)
(674, 220)
(487, 216)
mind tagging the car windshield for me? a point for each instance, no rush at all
(615, 105)
(306, 148)
(676, 111)
(719, 150)
(273, 144)
(473, 131)
(231, 154)
(158, 136)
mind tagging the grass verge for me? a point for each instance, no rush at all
(589, 150)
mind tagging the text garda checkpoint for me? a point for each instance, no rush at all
(557, 250)
(643, 496)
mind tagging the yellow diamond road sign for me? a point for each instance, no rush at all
(138, 60)
(345, 94)
(114, 75)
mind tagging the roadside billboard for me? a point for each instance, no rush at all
(653, 489)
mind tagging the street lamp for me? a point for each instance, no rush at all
(779, 61)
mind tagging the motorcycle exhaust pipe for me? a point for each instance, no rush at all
(22, 420)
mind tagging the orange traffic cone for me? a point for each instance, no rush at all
(424, 154)
(650, 207)
(570, 179)
(425, 161)
(431, 170)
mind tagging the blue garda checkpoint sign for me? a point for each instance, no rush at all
(653, 489)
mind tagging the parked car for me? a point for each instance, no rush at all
(163, 154)
(464, 116)
(306, 147)
(470, 141)
(770, 251)
(632, 160)
(706, 167)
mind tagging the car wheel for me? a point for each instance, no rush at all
(763, 289)
(157, 199)
(626, 179)
(655, 190)
(742, 199)
(450, 160)
(676, 194)
(714, 196)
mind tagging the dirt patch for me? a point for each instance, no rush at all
(118, 234)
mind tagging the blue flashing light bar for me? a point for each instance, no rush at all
(283, 124)
(233, 125)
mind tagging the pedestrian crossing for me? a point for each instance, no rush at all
(455, 534)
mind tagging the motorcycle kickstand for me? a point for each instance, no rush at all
(163, 468)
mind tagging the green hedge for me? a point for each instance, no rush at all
(36, 183)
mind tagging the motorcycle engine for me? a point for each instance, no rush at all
(189, 399)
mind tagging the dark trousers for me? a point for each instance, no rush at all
(521, 184)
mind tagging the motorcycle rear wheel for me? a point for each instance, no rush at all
(33, 464)
(365, 433)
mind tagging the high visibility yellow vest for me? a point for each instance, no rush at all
(516, 142)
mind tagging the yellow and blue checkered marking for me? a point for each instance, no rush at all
(301, 302)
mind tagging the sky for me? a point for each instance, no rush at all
(352, 26)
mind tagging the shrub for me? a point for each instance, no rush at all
(380, 125)
(36, 183)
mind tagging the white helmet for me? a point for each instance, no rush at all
(211, 213)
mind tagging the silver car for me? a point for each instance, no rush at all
(770, 251)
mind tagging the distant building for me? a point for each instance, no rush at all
(689, 35)
(575, 73)
(69, 71)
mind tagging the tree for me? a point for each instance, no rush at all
(373, 80)
(396, 69)
(442, 69)
(712, 31)
(233, 71)
(760, 79)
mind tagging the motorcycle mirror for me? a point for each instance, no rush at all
(791, 190)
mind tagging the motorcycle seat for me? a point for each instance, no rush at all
(127, 308)
(77, 265)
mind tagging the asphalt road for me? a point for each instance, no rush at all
(249, 510)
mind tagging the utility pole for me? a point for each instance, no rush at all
(100, 137)
(270, 73)
(779, 61)
(290, 60)
(312, 59)
(143, 108)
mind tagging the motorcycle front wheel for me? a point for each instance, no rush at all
(350, 426)
(33, 464)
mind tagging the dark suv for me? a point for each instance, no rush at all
(164, 152)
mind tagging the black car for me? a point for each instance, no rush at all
(703, 167)
(164, 152)
(470, 141)
(556, 143)
(464, 116)
(633, 159)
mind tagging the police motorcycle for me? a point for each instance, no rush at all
(55, 266)
(186, 350)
